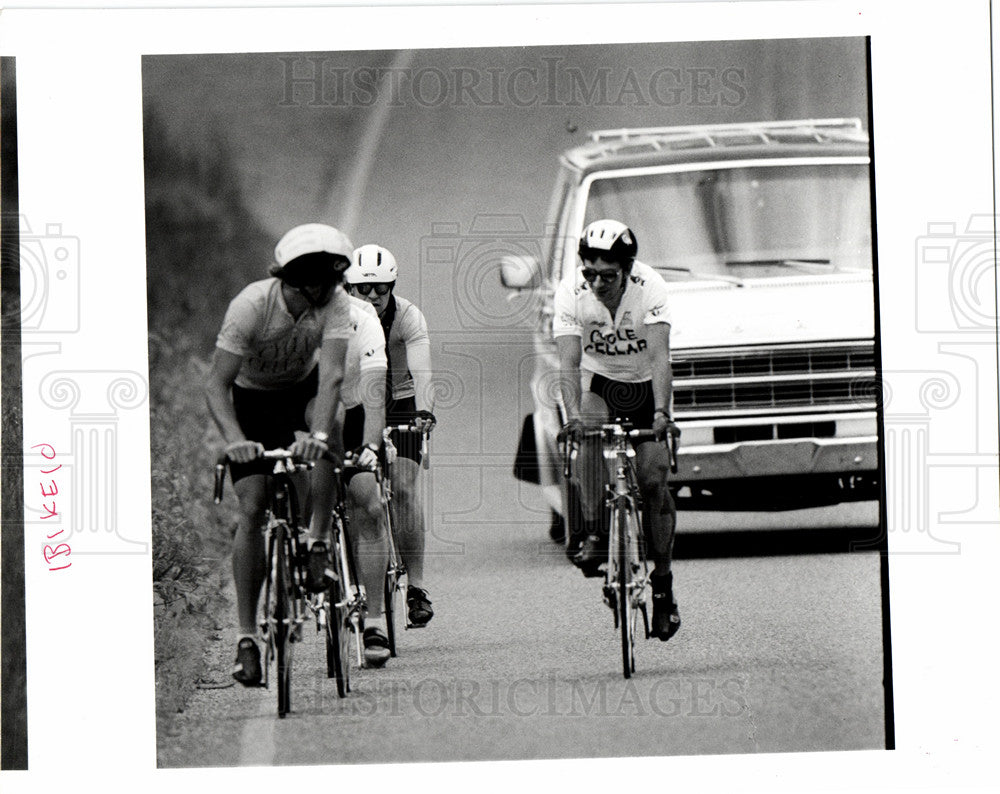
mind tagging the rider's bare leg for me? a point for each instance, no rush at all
(408, 513)
(368, 535)
(590, 466)
(659, 513)
(248, 550)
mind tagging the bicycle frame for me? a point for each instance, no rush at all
(285, 600)
(627, 576)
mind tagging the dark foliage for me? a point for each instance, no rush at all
(202, 247)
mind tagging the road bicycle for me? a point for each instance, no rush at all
(338, 610)
(286, 602)
(396, 579)
(626, 587)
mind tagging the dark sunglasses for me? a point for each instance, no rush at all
(380, 289)
(607, 276)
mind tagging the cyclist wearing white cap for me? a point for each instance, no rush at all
(612, 326)
(372, 275)
(281, 351)
(362, 413)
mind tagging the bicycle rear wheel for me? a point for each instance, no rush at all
(338, 609)
(282, 616)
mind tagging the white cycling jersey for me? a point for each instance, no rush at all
(615, 347)
(365, 350)
(408, 330)
(279, 350)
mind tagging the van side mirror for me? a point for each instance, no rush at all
(520, 272)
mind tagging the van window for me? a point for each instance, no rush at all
(752, 222)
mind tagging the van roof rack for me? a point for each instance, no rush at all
(708, 131)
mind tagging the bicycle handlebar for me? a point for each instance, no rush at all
(409, 427)
(671, 440)
(222, 462)
(296, 465)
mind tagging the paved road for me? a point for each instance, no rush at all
(777, 653)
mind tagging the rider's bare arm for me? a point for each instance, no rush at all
(658, 335)
(418, 358)
(218, 393)
(331, 376)
(570, 352)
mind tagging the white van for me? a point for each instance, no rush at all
(763, 233)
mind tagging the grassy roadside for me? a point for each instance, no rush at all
(202, 247)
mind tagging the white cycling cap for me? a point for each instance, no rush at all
(312, 238)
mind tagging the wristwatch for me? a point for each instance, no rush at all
(663, 411)
(319, 435)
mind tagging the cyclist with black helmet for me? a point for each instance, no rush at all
(372, 277)
(612, 331)
(281, 351)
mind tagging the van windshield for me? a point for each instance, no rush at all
(754, 222)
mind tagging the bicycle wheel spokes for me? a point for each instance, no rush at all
(283, 618)
(338, 618)
(337, 640)
(627, 604)
(390, 606)
(395, 597)
(611, 571)
(394, 588)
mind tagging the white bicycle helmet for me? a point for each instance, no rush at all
(610, 240)
(371, 264)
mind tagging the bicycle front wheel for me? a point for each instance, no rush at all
(282, 619)
(338, 610)
(391, 602)
(393, 588)
(627, 610)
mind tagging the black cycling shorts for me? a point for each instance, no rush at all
(271, 416)
(398, 412)
(631, 401)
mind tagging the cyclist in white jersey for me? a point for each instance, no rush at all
(372, 276)
(362, 412)
(612, 331)
(279, 355)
